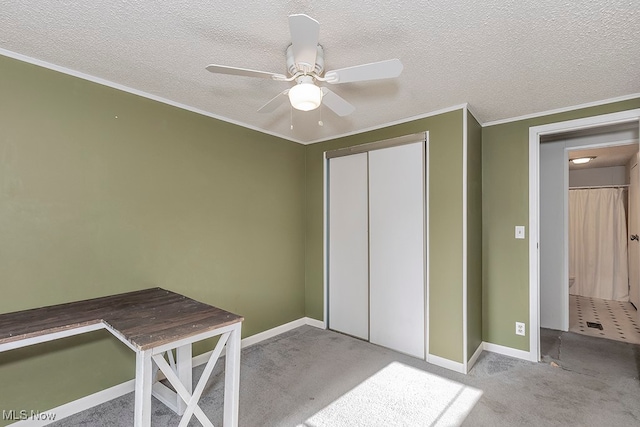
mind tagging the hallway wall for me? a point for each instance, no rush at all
(505, 203)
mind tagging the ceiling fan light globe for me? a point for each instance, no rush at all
(305, 96)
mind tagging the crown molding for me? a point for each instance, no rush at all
(562, 110)
(118, 86)
(397, 122)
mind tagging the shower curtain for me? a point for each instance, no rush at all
(598, 243)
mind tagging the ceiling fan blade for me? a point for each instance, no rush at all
(274, 102)
(235, 71)
(359, 73)
(304, 39)
(336, 103)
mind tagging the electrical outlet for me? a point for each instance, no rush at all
(520, 328)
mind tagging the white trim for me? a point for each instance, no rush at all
(385, 125)
(474, 357)
(535, 132)
(565, 250)
(133, 91)
(265, 335)
(446, 363)
(604, 144)
(82, 404)
(562, 109)
(465, 148)
(315, 323)
(534, 255)
(472, 111)
(507, 351)
(325, 238)
(619, 117)
(426, 242)
(118, 86)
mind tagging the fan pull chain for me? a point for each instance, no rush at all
(320, 122)
(291, 116)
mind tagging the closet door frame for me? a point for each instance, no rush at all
(402, 140)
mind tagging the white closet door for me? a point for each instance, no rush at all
(396, 215)
(349, 246)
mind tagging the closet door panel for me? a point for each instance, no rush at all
(349, 245)
(396, 214)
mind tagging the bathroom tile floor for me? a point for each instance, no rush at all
(619, 319)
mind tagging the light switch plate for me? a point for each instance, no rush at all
(519, 231)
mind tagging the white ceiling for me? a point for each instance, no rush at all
(605, 157)
(504, 58)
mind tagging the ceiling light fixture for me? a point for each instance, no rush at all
(581, 160)
(305, 96)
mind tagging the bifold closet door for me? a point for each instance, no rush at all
(349, 245)
(396, 251)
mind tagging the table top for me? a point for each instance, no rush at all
(146, 318)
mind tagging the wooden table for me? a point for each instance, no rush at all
(151, 322)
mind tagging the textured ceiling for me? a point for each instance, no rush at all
(505, 58)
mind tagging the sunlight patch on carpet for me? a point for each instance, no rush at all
(399, 395)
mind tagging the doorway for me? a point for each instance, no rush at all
(538, 296)
(600, 289)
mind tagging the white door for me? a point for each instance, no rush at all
(633, 243)
(349, 245)
(397, 259)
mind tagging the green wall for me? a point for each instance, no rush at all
(103, 192)
(474, 235)
(445, 222)
(505, 204)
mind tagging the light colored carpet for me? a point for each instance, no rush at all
(315, 378)
(399, 395)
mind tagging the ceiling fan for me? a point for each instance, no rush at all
(305, 65)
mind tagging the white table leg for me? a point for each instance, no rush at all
(232, 378)
(184, 371)
(192, 407)
(144, 382)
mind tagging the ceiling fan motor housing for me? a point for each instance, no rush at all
(317, 68)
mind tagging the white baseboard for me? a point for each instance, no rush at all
(111, 393)
(493, 348)
(474, 357)
(446, 363)
(508, 351)
(203, 358)
(79, 405)
(315, 323)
